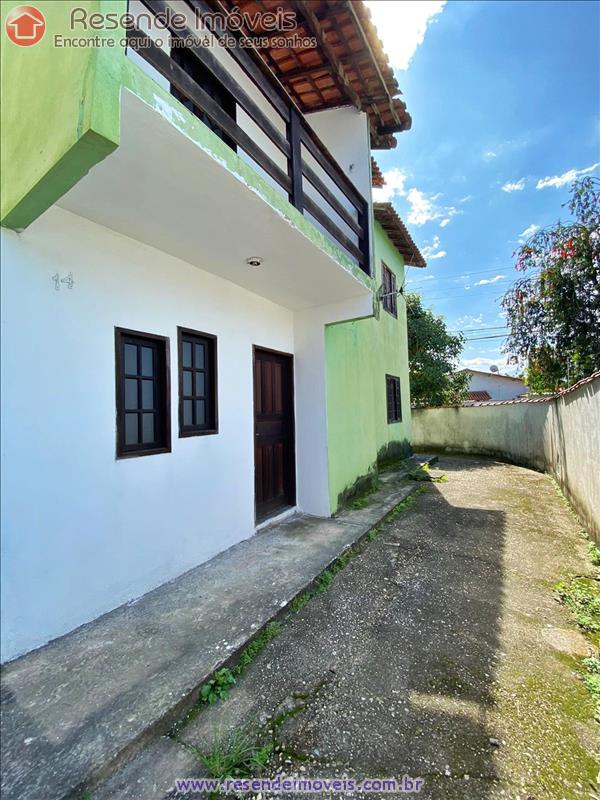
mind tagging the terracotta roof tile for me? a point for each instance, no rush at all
(348, 65)
(388, 218)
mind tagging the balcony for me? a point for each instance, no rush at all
(262, 125)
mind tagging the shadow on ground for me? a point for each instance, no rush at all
(426, 657)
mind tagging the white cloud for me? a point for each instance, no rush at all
(571, 175)
(528, 232)
(424, 208)
(420, 280)
(485, 281)
(466, 198)
(432, 251)
(506, 146)
(517, 186)
(394, 185)
(469, 320)
(402, 25)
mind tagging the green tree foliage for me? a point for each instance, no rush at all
(432, 356)
(553, 311)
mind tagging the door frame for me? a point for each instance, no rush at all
(292, 489)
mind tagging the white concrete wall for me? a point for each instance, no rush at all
(560, 436)
(83, 532)
(345, 133)
(499, 387)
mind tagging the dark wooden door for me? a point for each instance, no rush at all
(274, 467)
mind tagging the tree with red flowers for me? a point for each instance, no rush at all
(553, 311)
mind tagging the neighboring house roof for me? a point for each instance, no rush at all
(545, 398)
(388, 218)
(347, 66)
(478, 396)
(491, 374)
(377, 179)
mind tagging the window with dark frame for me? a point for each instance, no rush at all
(390, 303)
(197, 383)
(142, 384)
(394, 402)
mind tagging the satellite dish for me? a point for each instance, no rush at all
(493, 368)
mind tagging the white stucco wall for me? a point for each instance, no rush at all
(82, 531)
(560, 436)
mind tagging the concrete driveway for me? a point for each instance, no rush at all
(440, 652)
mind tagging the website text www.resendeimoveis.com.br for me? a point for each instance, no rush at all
(309, 786)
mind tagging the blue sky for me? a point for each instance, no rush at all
(505, 101)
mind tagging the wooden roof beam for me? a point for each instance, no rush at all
(337, 70)
(367, 44)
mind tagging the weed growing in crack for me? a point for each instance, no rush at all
(217, 687)
(236, 756)
(256, 646)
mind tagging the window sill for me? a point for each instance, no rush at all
(188, 434)
(140, 453)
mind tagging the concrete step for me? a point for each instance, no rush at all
(76, 710)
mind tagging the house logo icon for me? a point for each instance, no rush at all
(25, 25)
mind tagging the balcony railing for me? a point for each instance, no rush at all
(320, 189)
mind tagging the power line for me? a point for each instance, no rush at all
(497, 284)
(480, 328)
(458, 276)
(481, 338)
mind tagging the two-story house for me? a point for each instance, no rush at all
(202, 320)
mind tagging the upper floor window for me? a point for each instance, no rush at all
(197, 383)
(207, 81)
(142, 383)
(394, 402)
(390, 303)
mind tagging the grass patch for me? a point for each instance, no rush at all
(591, 679)
(594, 554)
(582, 597)
(236, 756)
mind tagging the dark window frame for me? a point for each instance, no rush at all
(394, 409)
(212, 392)
(164, 408)
(390, 298)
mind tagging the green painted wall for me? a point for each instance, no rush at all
(61, 116)
(359, 354)
(60, 112)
